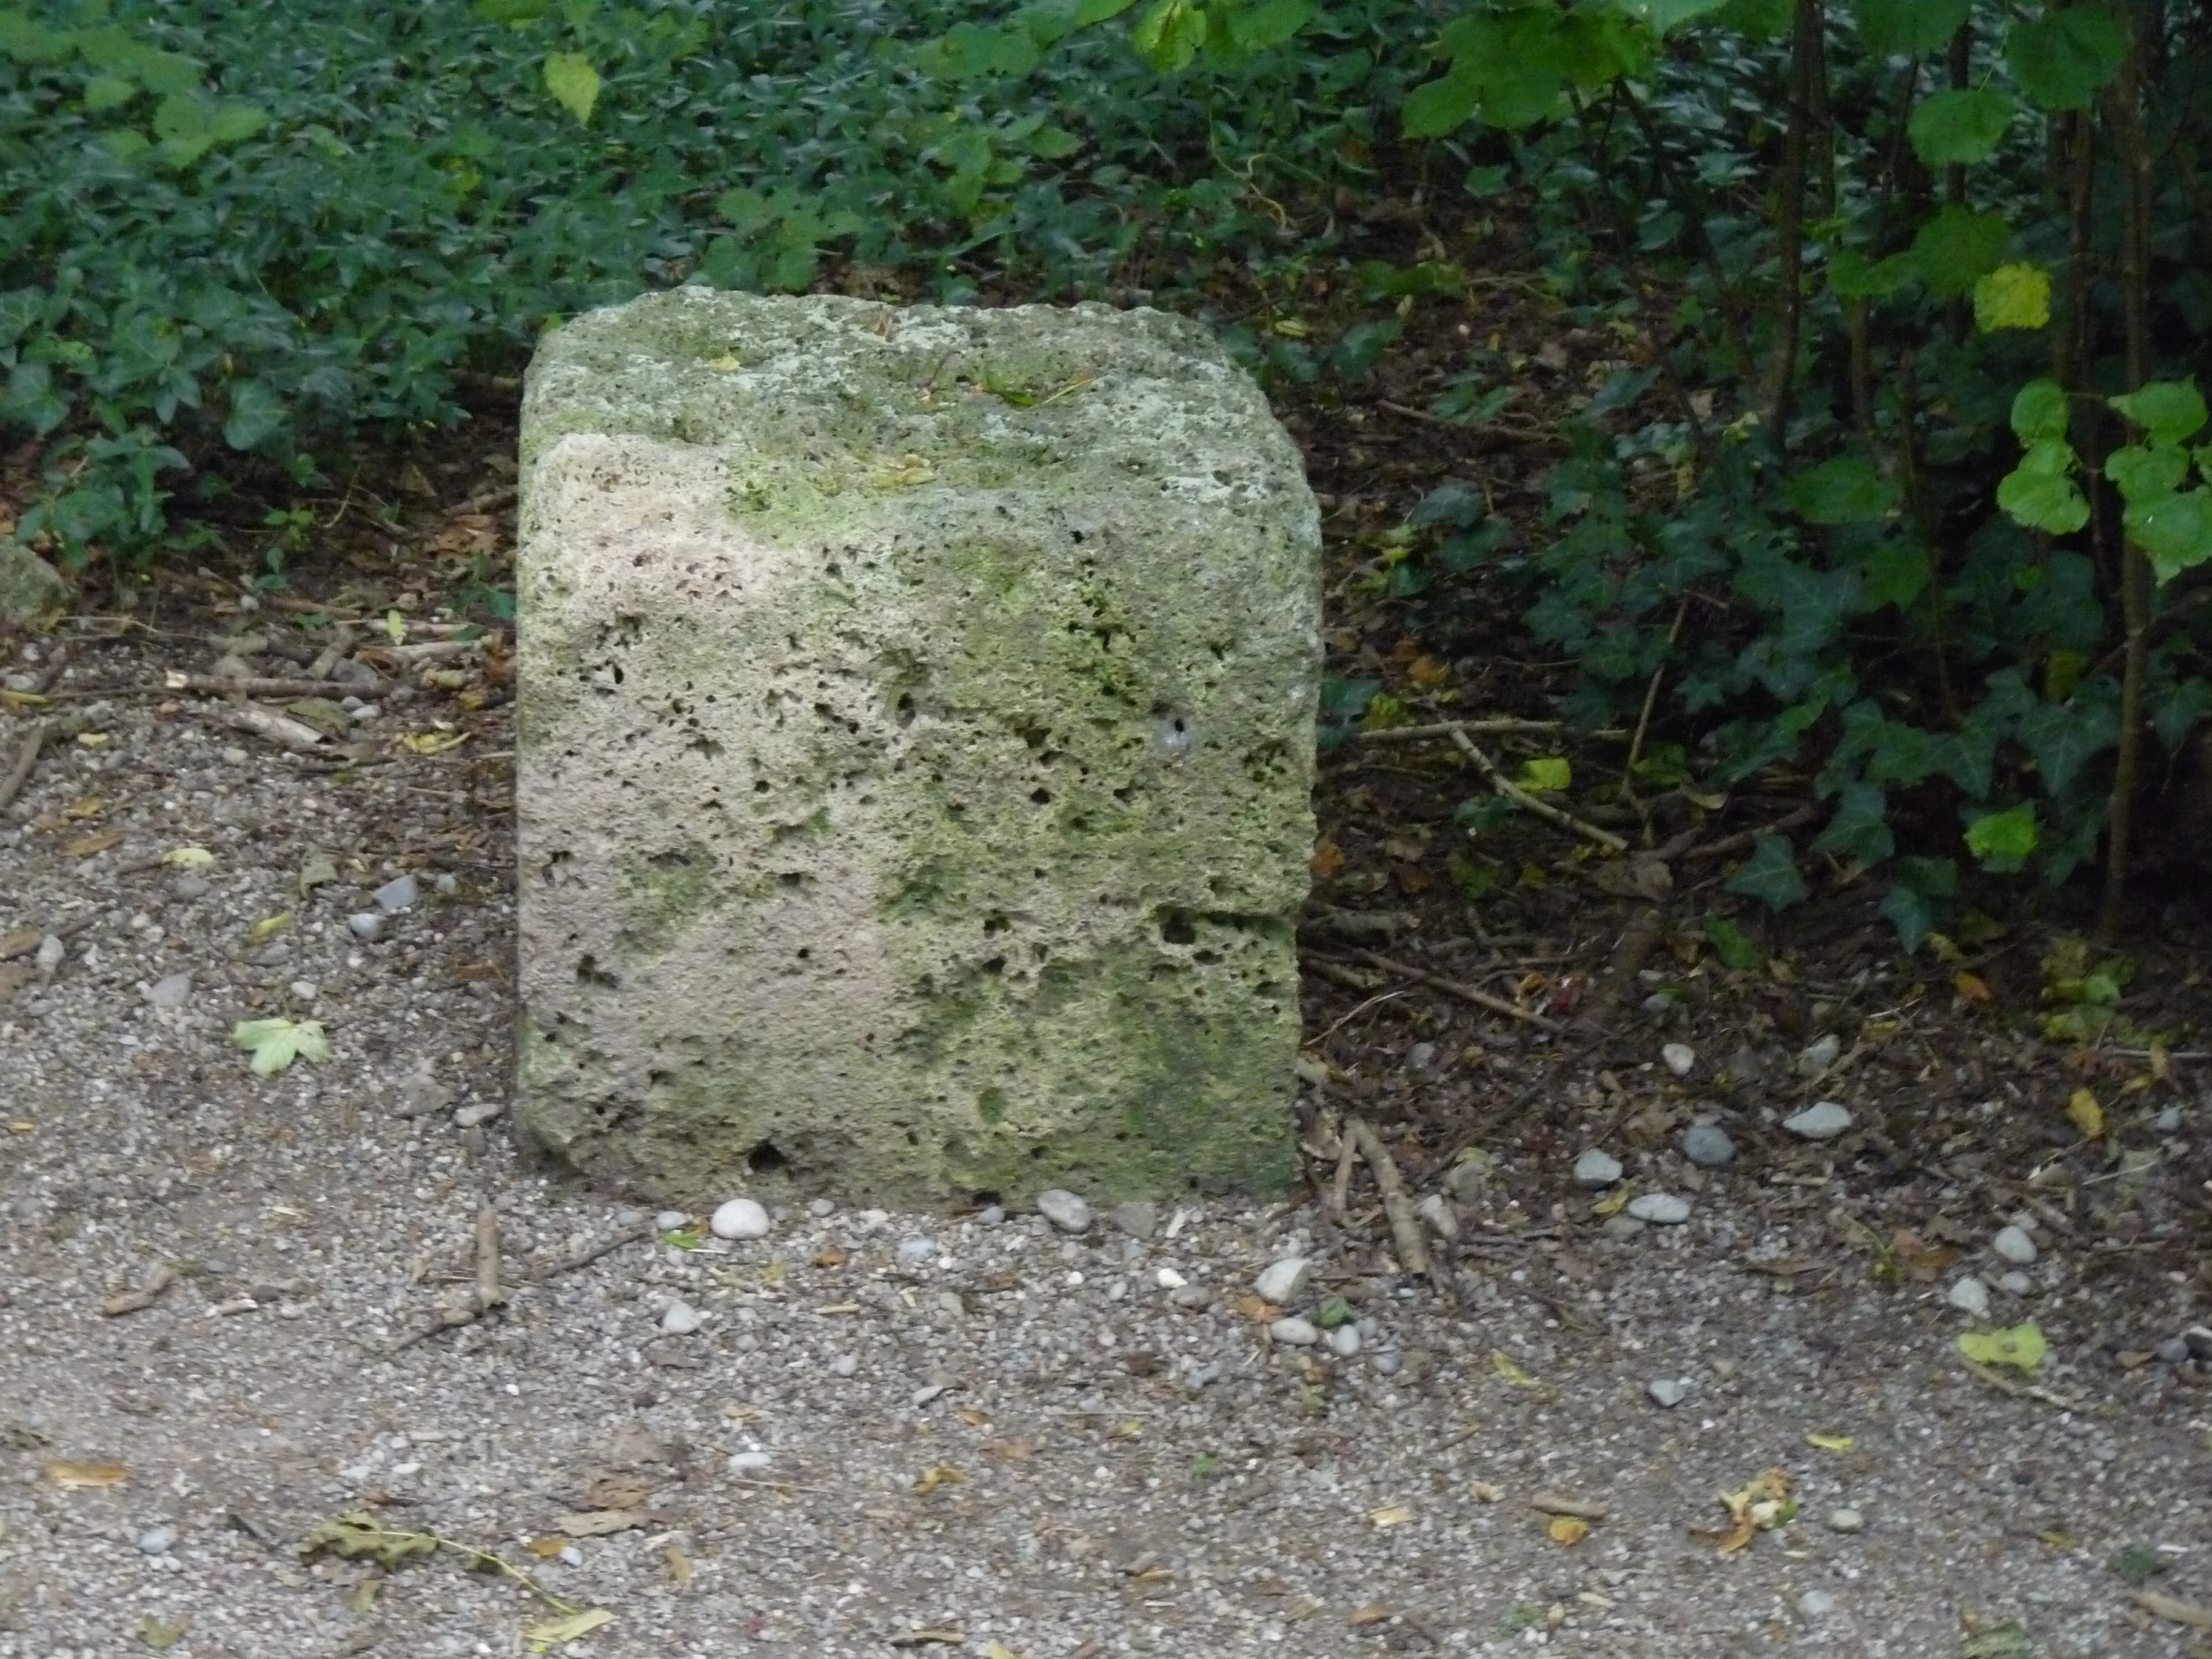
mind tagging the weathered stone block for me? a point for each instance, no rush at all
(915, 737)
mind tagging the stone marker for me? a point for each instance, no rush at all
(914, 732)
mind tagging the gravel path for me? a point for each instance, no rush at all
(903, 1432)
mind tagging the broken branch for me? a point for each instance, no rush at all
(1513, 792)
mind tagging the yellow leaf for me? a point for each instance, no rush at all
(995, 1649)
(574, 83)
(1945, 948)
(1373, 1613)
(547, 1547)
(1533, 876)
(269, 926)
(2013, 296)
(542, 1637)
(70, 1476)
(1550, 773)
(936, 1475)
(1568, 1530)
(1970, 988)
(2022, 1345)
(1390, 1514)
(1503, 1363)
(725, 362)
(1834, 1442)
(1291, 328)
(159, 1634)
(188, 858)
(85, 845)
(434, 743)
(1614, 1202)
(679, 1564)
(89, 807)
(95, 739)
(2083, 1112)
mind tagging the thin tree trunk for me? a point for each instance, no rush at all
(1804, 59)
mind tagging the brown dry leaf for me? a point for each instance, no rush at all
(1760, 1505)
(679, 1564)
(20, 942)
(1258, 1310)
(1009, 1451)
(85, 845)
(597, 1524)
(1390, 1514)
(975, 1420)
(1971, 989)
(936, 1475)
(616, 1491)
(830, 1255)
(1373, 1613)
(70, 1476)
(90, 807)
(1487, 1493)
(1428, 671)
(1568, 1530)
(1924, 1262)
(1327, 860)
(14, 977)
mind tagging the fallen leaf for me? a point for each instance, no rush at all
(546, 1547)
(188, 858)
(90, 807)
(1834, 1442)
(1614, 1202)
(929, 1638)
(269, 926)
(1971, 987)
(2022, 1345)
(1390, 1514)
(1568, 1530)
(597, 1524)
(1922, 1262)
(936, 1475)
(21, 942)
(1485, 1492)
(2001, 1642)
(1258, 1310)
(70, 1476)
(2167, 1607)
(997, 1650)
(85, 847)
(829, 1256)
(1504, 1365)
(1009, 1451)
(679, 1564)
(157, 1632)
(1373, 1613)
(2083, 1112)
(1327, 860)
(616, 1491)
(1428, 671)
(434, 743)
(542, 1637)
(277, 1043)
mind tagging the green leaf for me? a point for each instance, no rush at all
(1909, 26)
(1960, 125)
(107, 92)
(1664, 17)
(1442, 106)
(2022, 1345)
(1907, 909)
(1770, 874)
(1733, 946)
(1169, 34)
(277, 1043)
(2174, 531)
(1958, 247)
(2172, 411)
(2142, 470)
(1270, 24)
(511, 11)
(2044, 500)
(2040, 410)
(2013, 296)
(2003, 841)
(235, 123)
(1549, 773)
(1852, 275)
(1860, 828)
(256, 414)
(1848, 490)
(2064, 58)
(2063, 737)
(574, 83)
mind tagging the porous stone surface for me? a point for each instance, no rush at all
(29, 586)
(915, 736)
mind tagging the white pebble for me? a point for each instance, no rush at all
(845, 1363)
(1846, 1520)
(1680, 1058)
(671, 1221)
(1819, 1054)
(368, 926)
(1283, 1280)
(1970, 1296)
(1596, 1170)
(1064, 1210)
(2017, 1282)
(1816, 1604)
(1169, 1279)
(1669, 1391)
(1343, 1341)
(51, 952)
(1297, 1333)
(2014, 1244)
(1661, 1209)
(749, 1462)
(741, 1218)
(397, 893)
(681, 1319)
(1824, 1120)
(157, 1540)
(170, 992)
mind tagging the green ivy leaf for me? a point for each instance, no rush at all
(1897, 574)
(1852, 275)
(2174, 530)
(2040, 411)
(1860, 828)
(1735, 947)
(1664, 17)
(2003, 841)
(2063, 58)
(256, 414)
(1770, 874)
(1442, 106)
(1848, 490)
(574, 83)
(1960, 125)
(2013, 296)
(2172, 411)
(1958, 247)
(1909, 911)
(277, 1043)
(1550, 772)
(1909, 26)
(2142, 470)
(2044, 500)
(2063, 737)
(1270, 24)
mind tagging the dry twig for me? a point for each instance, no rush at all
(145, 1296)
(1405, 1226)
(33, 744)
(1543, 809)
(1464, 991)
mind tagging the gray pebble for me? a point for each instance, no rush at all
(2014, 1244)
(367, 926)
(2173, 1351)
(1816, 1604)
(1199, 1375)
(1421, 1057)
(670, 1221)
(740, 1218)
(170, 991)
(1139, 1218)
(1707, 1145)
(1192, 1297)
(820, 1208)
(1343, 1341)
(1846, 1520)
(1284, 1279)
(1596, 1170)
(398, 893)
(1659, 1005)
(749, 1462)
(1824, 1120)
(845, 1363)
(1669, 1391)
(2016, 1283)
(1661, 1209)
(1680, 1058)
(1819, 1054)
(1970, 1296)
(189, 886)
(1389, 1362)
(916, 1252)
(1064, 1210)
(1623, 1227)
(2167, 1121)
(157, 1540)
(51, 952)
(1298, 1333)
(681, 1319)
(991, 1215)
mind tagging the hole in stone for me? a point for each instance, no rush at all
(1042, 797)
(793, 879)
(765, 1159)
(806, 953)
(760, 786)
(588, 972)
(1125, 795)
(1175, 928)
(994, 923)
(995, 965)
(904, 708)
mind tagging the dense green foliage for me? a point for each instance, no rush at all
(1904, 495)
